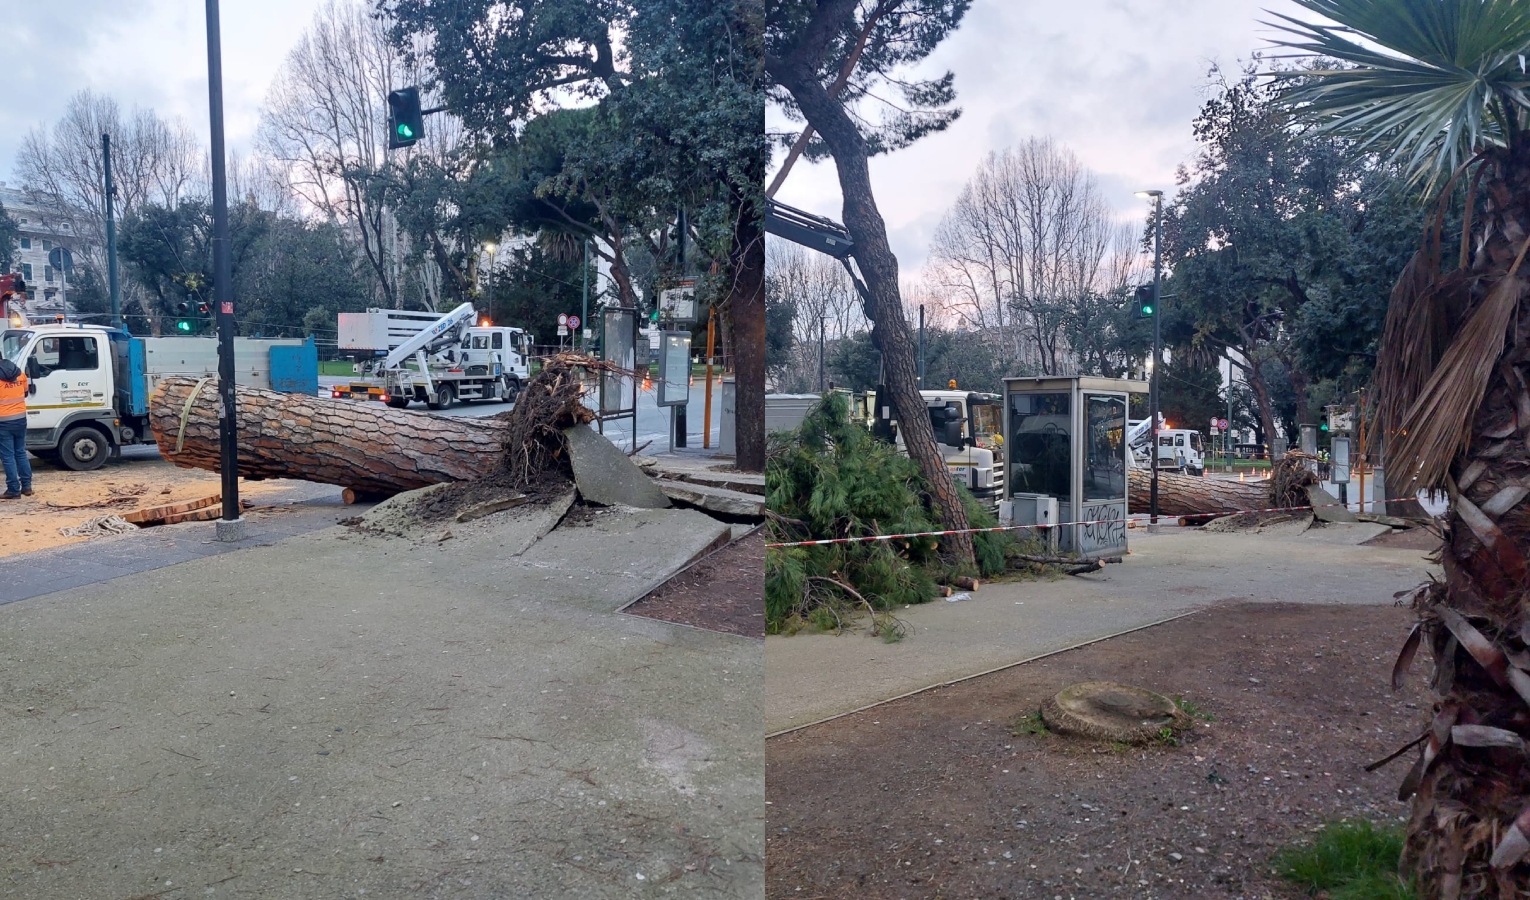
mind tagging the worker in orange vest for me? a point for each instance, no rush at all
(13, 431)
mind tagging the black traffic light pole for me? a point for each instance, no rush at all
(231, 526)
(1157, 353)
(111, 233)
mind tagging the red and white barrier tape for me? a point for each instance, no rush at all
(1140, 517)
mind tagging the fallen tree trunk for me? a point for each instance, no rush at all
(1189, 495)
(366, 447)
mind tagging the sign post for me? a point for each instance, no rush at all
(675, 381)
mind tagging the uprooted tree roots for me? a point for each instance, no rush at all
(1290, 478)
(551, 401)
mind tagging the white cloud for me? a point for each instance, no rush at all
(1116, 81)
(144, 53)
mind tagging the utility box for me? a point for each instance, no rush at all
(1065, 449)
(727, 425)
(1032, 509)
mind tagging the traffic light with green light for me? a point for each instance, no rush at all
(1144, 298)
(406, 123)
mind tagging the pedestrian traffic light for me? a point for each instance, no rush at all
(1145, 302)
(182, 325)
(405, 121)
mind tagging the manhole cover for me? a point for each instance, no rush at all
(1112, 712)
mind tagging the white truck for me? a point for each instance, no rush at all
(434, 358)
(1179, 449)
(968, 430)
(90, 385)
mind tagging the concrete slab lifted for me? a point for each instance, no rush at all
(346, 714)
(606, 476)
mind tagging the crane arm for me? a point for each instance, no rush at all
(448, 323)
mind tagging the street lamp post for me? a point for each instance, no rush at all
(491, 247)
(822, 326)
(1157, 198)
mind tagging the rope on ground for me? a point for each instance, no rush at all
(99, 526)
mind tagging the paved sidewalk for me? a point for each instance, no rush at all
(812, 677)
(101, 559)
(338, 714)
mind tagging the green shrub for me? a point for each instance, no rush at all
(831, 479)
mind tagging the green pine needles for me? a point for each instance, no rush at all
(831, 479)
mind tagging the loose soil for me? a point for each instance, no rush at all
(1406, 539)
(444, 504)
(119, 487)
(723, 592)
(950, 794)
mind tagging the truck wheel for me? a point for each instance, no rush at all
(510, 388)
(83, 449)
(444, 398)
(398, 402)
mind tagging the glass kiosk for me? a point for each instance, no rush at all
(1065, 447)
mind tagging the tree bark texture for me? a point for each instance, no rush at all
(366, 447)
(1188, 495)
(879, 267)
(747, 312)
(1470, 828)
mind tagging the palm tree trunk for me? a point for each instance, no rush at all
(1477, 623)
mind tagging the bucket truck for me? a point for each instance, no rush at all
(433, 358)
(1179, 449)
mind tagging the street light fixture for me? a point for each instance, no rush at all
(1157, 198)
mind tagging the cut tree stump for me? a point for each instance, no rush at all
(368, 448)
(1189, 495)
(1108, 711)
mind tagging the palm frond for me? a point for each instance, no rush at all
(1438, 426)
(1425, 83)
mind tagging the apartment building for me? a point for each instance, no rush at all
(41, 231)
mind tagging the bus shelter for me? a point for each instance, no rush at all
(1065, 448)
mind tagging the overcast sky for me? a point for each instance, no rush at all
(1116, 81)
(147, 53)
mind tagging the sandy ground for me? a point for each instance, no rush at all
(63, 499)
(952, 793)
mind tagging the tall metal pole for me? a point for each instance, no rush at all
(1157, 355)
(584, 314)
(111, 233)
(223, 287)
(921, 346)
(1227, 432)
(492, 317)
(822, 326)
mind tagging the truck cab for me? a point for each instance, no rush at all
(89, 385)
(72, 414)
(968, 428)
(497, 351)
